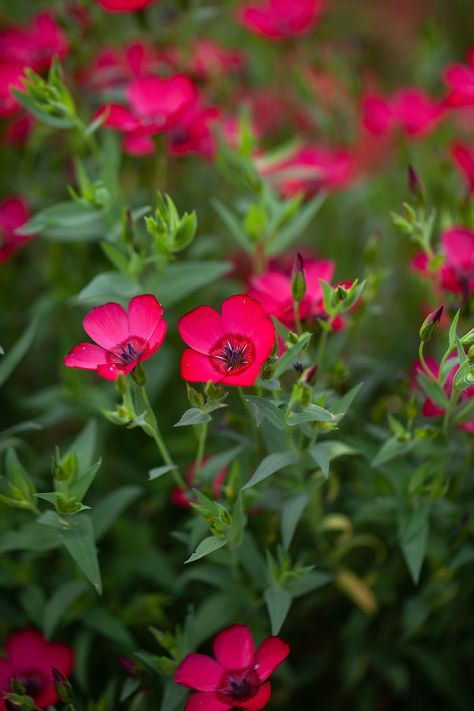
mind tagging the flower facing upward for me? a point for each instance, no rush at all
(238, 676)
(228, 348)
(123, 340)
(29, 660)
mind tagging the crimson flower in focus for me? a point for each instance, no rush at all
(457, 270)
(280, 19)
(228, 348)
(273, 291)
(124, 5)
(29, 659)
(124, 340)
(13, 214)
(237, 678)
(430, 409)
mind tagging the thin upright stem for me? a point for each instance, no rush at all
(296, 311)
(429, 373)
(203, 429)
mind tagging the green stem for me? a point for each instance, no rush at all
(443, 361)
(296, 311)
(428, 372)
(321, 349)
(447, 415)
(203, 429)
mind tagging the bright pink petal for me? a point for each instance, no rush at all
(124, 5)
(198, 671)
(242, 315)
(87, 356)
(13, 214)
(264, 340)
(110, 372)
(271, 653)
(234, 648)
(245, 379)
(136, 144)
(156, 340)
(260, 700)
(144, 315)
(206, 701)
(107, 325)
(201, 328)
(198, 368)
(458, 246)
(24, 648)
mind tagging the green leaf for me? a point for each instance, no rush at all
(30, 537)
(278, 601)
(324, 452)
(453, 328)
(14, 355)
(183, 278)
(391, 449)
(116, 256)
(312, 413)
(197, 415)
(78, 537)
(212, 466)
(69, 221)
(110, 508)
(109, 286)
(158, 472)
(266, 410)
(271, 464)
(80, 486)
(434, 391)
(295, 228)
(59, 603)
(109, 626)
(291, 355)
(84, 446)
(341, 406)
(465, 412)
(413, 538)
(309, 582)
(290, 515)
(233, 224)
(173, 697)
(207, 546)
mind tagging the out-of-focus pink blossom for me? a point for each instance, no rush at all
(430, 409)
(124, 5)
(463, 157)
(457, 269)
(280, 19)
(460, 81)
(34, 45)
(210, 60)
(410, 109)
(14, 213)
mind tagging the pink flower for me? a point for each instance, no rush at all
(430, 409)
(280, 19)
(411, 109)
(116, 68)
(228, 348)
(237, 678)
(210, 59)
(309, 170)
(124, 5)
(13, 214)
(194, 135)
(464, 159)
(377, 114)
(123, 340)
(273, 291)
(30, 658)
(457, 270)
(460, 80)
(10, 77)
(34, 45)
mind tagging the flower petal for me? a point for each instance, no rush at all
(111, 372)
(271, 653)
(61, 657)
(107, 325)
(156, 340)
(244, 379)
(242, 315)
(25, 649)
(234, 648)
(260, 700)
(198, 368)
(264, 340)
(198, 671)
(144, 314)
(201, 328)
(206, 701)
(86, 355)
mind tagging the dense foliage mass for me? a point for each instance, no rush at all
(237, 355)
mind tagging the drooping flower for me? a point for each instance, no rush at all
(273, 291)
(228, 348)
(29, 659)
(430, 409)
(124, 340)
(280, 19)
(124, 5)
(238, 677)
(14, 213)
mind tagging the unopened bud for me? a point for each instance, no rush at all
(214, 391)
(341, 292)
(63, 687)
(67, 504)
(195, 398)
(415, 186)
(309, 375)
(138, 374)
(298, 280)
(430, 324)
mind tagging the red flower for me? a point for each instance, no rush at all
(430, 409)
(124, 5)
(35, 45)
(309, 170)
(229, 348)
(377, 114)
(210, 59)
(237, 678)
(279, 19)
(273, 291)
(30, 658)
(464, 159)
(460, 80)
(13, 214)
(123, 340)
(410, 109)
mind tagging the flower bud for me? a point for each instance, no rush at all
(309, 375)
(195, 398)
(298, 280)
(430, 324)
(67, 504)
(63, 687)
(415, 186)
(138, 374)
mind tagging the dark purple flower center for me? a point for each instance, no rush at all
(233, 354)
(33, 682)
(239, 685)
(127, 352)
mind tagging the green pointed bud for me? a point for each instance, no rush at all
(195, 398)
(214, 391)
(67, 504)
(309, 375)
(468, 338)
(298, 279)
(64, 469)
(416, 186)
(430, 324)
(185, 232)
(18, 686)
(63, 687)
(138, 374)
(341, 292)
(292, 339)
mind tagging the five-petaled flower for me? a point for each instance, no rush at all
(237, 678)
(29, 660)
(228, 348)
(124, 340)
